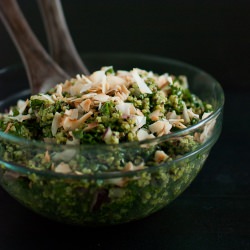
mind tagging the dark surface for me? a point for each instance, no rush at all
(214, 212)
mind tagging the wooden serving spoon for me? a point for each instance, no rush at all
(42, 71)
(61, 45)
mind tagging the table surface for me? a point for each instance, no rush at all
(214, 212)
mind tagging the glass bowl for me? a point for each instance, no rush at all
(108, 194)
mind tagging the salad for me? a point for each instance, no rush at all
(107, 108)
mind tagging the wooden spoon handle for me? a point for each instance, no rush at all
(61, 44)
(42, 72)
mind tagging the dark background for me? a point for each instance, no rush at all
(214, 213)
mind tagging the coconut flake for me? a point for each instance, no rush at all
(205, 115)
(107, 135)
(185, 113)
(140, 82)
(62, 168)
(91, 126)
(83, 79)
(155, 115)
(172, 115)
(115, 81)
(101, 98)
(129, 166)
(99, 78)
(21, 105)
(8, 127)
(85, 87)
(126, 108)
(56, 123)
(160, 156)
(70, 125)
(122, 73)
(163, 80)
(143, 134)
(177, 123)
(59, 90)
(76, 88)
(192, 114)
(160, 127)
(72, 113)
(140, 121)
(85, 105)
(47, 156)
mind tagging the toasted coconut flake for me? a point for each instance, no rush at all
(99, 79)
(115, 81)
(139, 121)
(131, 167)
(160, 127)
(65, 155)
(47, 156)
(140, 82)
(155, 115)
(86, 87)
(21, 105)
(164, 80)
(116, 99)
(138, 112)
(101, 98)
(172, 115)
(85, 105)
(76, 89)
(89, 95)
(70, 125)
(191, 114)
(160, 156)
(66, 86)
(207, 131)
(184, 81)
(85, 83)
(8, 127)
(126, 108)
(124, 92)
(91, 126)
(72, 113)
(59, 90)
(205, 115)
(107, 136)
(62, 168)
(83, 79)
(143, 134)
(121, 96)
(122, 73)
(78, 173)
(185, 113)
(177, 123)
(56, 123)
